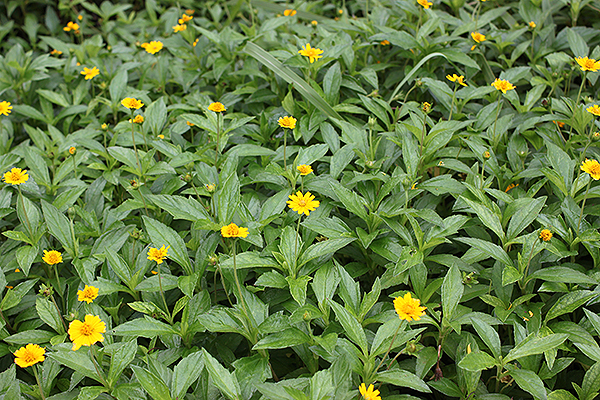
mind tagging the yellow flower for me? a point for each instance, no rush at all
(5, 108)
(153, 47)
(17, 270)
(16, 176)
(384, 42)
(52, 257)
(303, 203)
(289, 13)
(546, 235)
(478, 37)
(90, 73)
(311, 52)
(216, 107)
(592, 167)
(314, 23)
(72, 150)
(426, 107)
(185, 18)
(409, 308)
(189, 123)
(588, 64)
(189, 11)
(503, 85)
(486, 154)
(560, 124)
(154, 272)
(80, 17)
(532, 25)
(138, 119)
(104, 126)
(158, 255)
(161, 136)
(179, 28)
(287, 122)
(232, 230)
(511, 186)
(304, 169)
(594, 110)
(71, 26)
(370, 393)
(426, 4)
(88, 332)
(195, 42)
(130, 102)
(456, 78)
(29, 355)
(56, 52)
(88, 294)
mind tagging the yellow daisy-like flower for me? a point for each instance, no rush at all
(216, 107)
(486, 154)
(560, 124)
(370, 393)
(304, 169)
(478, 37)
(189, 11)
(546, 235)
(289, 13)
(161, 136)
(594, 110)
(314, 23)
(16, 176)
(426, 4)
(303, 203)
(588, 64)
(409, 308)
(138, 119)
(592, 167)
(88, 332)
(88, 294)
(29, 355)
(153, 47)
(195, 42)
(71, 26)
(158, 255)
(55, 52)
(287, 122)
(384, 42)
(532, 25)
(5, 108)
(72, 150)
(52, 257)
(185, 18)
(456, 78)
(503, 85)
(179, 28)
(90, 73)
(130, 102)
(426, 107)
(511, 186)
(232, 230)
(312, 53)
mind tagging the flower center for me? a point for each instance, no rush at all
(29, 357)
(302, 203)
(86, 330)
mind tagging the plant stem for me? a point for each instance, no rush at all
(97, 368)
(580, 88)
(137, 158)
(37, 379)
(239, 287)
(219, 134)
(162, 294)
(296, 247)
(452, 104)
(58, 310)
(496, 120)
(284, 148)
(390, 347)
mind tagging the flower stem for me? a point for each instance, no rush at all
(137, 158)
(496, 120)
(296, 246)
(452, 104)
(56, 305)
(37, 379)
(284, 147)
(239, 287)
(218, 136)
(162, 295)
(97, 368)
(390, 347)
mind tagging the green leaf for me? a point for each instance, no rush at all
(298, 287)
(156, 116)
(60, 227)
(91, 392)
(323, 248)
(221, 378)
(181, 207)
(489, 336)
(48, 313)
(528, 381)
(53, 97)
(591, 383)
(562, 274)
(569, 303)
(146, 327)
(402, 378)
(351, 326)
(13, 297)
(412, 72)
(477, 361)
(534, 344)
(30, 336)
(291, 77)
(78, 361)
(452, 290)
(152, 384)
(524, 217)
(487, 216)
(186, 373)
(281, 340)
(160, 234)
(227, 198)
(351, 201)
(488, 248)
(120, 359)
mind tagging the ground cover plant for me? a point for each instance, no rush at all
(300, 200)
